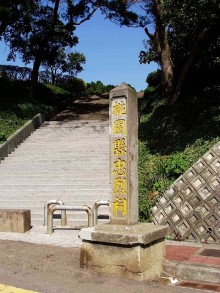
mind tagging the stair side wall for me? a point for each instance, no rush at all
(20, 135)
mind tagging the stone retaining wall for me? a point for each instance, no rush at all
(191, 207)
(20, 135)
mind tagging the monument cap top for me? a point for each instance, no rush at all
(123, 86)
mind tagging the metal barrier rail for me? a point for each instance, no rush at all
(96, 205)
(63, 213)
(57, 207)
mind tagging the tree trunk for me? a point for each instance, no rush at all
(196, 49)
(38, 57)
(162, 48)
(53, 78)
(34, 76)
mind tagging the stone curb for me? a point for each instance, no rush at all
(192, 272)
(20, 135)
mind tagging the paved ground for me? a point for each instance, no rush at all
(194, 262)
(47, 268)
(25, 261)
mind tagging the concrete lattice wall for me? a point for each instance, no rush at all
(191, 207)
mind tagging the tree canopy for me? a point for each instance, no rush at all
(184, 41)
(182, 36)
(36, 30)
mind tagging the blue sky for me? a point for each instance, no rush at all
(111, 52)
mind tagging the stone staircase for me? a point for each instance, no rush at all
(67, 160)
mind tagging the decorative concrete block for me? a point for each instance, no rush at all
(216, 165)
(169, 208)
(207, 173)
(216, 148)
(210, 156)
(12, 220)
(215, 182)
(200, 165)
(203, 210)
(180, 182)
(190, 174)
(194, 219)
(188, 191)
(186, 209)
(205, 192)
(178, 200)
(195, 201)
(198, 182)
(160, 216)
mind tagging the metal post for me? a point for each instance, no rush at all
(56, 207)
(96, 205)
(63, 213)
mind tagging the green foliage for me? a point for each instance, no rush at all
(98, 88)
(63, 65)
(154, 93)
(16, 108)
(9, 122)
(76, 86)
(170, 141)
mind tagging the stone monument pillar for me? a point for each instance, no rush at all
(123, 127)
(123, 246)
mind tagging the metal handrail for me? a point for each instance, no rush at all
(63, 213)
(57, 207)
(96, 205)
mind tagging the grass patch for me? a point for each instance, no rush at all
(171, 139)
(16, 108)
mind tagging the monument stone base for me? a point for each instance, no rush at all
(136, 252)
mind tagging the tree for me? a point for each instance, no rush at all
(98, 88)
(51, 25)
(184, 33)
(10, 12)
(64, 64)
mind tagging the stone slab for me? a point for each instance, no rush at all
(15, 220)
(192, 272)
(140, 233)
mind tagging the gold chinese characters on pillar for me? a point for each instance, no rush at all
(119, 158)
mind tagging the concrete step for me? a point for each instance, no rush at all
(69, 159)
(73, 186)
(52, 176)
(56, 193)
(71, 131)
(55, 182)
(71, 215)
(96, 167)
(70, 142)
(74, 175)
(57, 156)
(40, 200)
(67, 199)
(54, 134)
(78, 223)
(67, 146)
(63, 135)
(60, 160)
(82, 123)
(60, 150)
